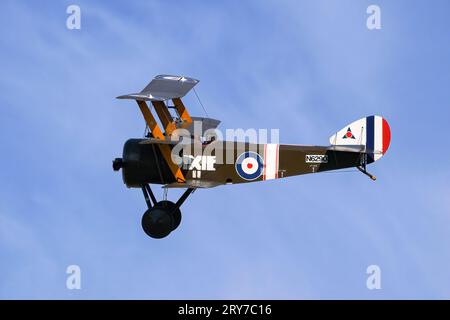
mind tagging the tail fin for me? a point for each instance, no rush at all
(372, 132)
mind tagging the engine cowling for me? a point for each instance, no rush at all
(142, 164)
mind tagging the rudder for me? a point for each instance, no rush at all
(372, 132)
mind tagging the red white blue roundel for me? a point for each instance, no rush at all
(249, 165)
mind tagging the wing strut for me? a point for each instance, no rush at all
(165, 116)
(157, 133)
(182, 111)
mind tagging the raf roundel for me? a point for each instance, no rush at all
(249, 165)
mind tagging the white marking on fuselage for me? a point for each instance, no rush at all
(270, 161)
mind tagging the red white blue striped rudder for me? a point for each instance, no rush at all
(372, 132)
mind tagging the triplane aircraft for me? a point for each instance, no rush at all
(193, 161)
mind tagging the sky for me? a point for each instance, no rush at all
(307, 68)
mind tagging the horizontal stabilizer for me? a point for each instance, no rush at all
(162, 88)
(355, 148)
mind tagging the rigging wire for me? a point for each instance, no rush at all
(146, 130)
(198, 98)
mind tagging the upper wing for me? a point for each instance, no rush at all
(163, 87)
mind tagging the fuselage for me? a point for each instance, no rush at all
(224, 162)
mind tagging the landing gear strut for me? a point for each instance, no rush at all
(162, 217)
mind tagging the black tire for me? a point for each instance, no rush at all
(176, 215)
(157, 222)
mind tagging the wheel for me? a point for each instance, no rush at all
(157, 222)
(176, 215)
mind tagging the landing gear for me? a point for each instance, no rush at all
(162, 217)
(362, 168)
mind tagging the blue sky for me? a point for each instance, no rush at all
(306, 67)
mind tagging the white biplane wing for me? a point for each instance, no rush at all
(162, 88)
